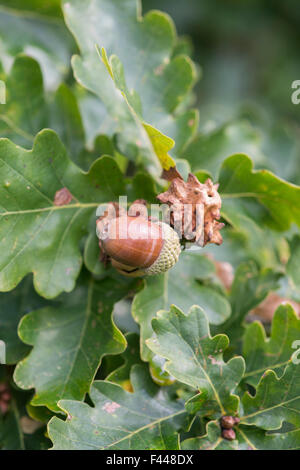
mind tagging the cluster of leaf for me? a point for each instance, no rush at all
(94, 360)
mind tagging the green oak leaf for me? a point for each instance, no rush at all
(69, 342)
(143, 187)
(179, 286)
(253, 438)
(51, 8)
(95, 119)
(152, 80)
(43, 38)
(27, 110)
(270, 199)
(119, 420)
(160, 80)
(85, 155)
(262, 353)
(254, 234)
(196, 359)
(276, 400)
(208, 151)
(13, 306)
(152, 143)
(37, 235)
(66, 120)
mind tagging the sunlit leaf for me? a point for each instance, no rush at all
(38, 235)
(69, 342)
(196, 359)
(262, 353)
(119, 420)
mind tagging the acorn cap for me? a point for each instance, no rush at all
(169, 253)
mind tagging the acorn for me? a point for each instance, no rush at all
(138, 246)
(227, 422)
(228, 434)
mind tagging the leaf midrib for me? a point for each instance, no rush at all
(88, 313)
(268, 367)
(245, 437)
(128, 436)
(78, 205)
(152, 423)
(265, 410)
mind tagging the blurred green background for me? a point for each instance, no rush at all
(248, 51)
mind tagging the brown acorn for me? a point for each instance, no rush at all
(138, 246)
(228, 434)
(227, 422)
